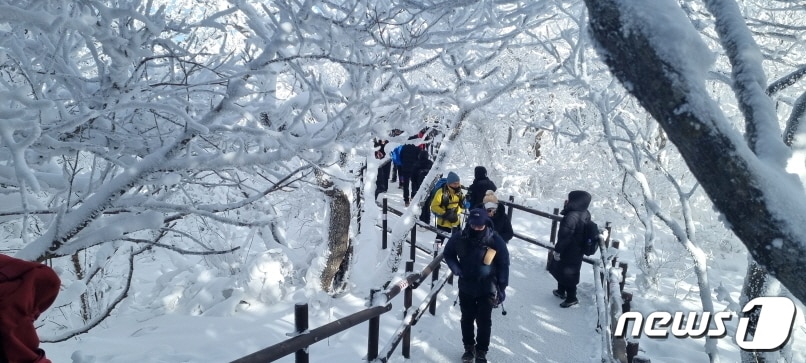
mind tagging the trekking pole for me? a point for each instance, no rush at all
(503, 309)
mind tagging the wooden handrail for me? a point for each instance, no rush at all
(413, 280)
(302, 341)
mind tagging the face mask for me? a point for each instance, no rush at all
(472, 233)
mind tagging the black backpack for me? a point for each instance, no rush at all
(592, 238)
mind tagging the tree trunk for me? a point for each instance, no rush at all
(338, 240)
(79, 271)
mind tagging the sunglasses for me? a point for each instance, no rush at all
(491, 210)
(478, 228)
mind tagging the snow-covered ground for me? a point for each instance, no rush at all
(535, 328)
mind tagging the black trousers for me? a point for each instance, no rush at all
(405, 182)
(569, 290)
(382, 181)
(476, 311)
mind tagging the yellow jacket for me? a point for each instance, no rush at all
(455, 200)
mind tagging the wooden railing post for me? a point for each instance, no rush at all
(623, 266)
(632, 351)
(509, 207)
(407, 299)
(432, 306)
(626, 299)
(301, 326)
(384, 222)
(413, 247)
(374, 329)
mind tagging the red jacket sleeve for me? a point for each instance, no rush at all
(12, 268)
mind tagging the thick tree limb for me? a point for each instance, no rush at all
(727, 172)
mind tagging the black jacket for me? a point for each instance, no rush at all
(409, 154)
(501, 222)
(481, 184)
(464, 255)
(572, 233)
(421, 169)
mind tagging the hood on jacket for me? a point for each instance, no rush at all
(578, 200)
(480, 172)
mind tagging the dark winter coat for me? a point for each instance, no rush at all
(570, 237)
(408, 159)
(464, 255)
(481, 184)
(421, 169)
(501, 222)
(382, 180)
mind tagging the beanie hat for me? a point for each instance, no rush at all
(452, 178)
(490, 200)
(480, 172)
(477, 217)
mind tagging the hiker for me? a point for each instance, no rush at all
(446, 204)
(481, 184)
(567, 253)
(394, 179)
(406, 160)
(496, 211)
(421, 169)
(382, 180)
(26, 290)
(480, 259)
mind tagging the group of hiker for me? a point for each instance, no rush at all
(477, 252)
(408, 165)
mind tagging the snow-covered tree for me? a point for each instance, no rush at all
(664, 64)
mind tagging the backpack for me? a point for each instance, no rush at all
(441, 182)
(425, 216)
(395, 155)
(592, 238)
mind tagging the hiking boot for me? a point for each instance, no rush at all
(558, 294)
(469, 354)
(569, 303)
(407, 204)
(481, 356)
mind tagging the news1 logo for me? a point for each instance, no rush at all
(774, 325)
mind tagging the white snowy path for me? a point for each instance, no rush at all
(535, 329)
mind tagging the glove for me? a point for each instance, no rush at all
(451, 216)
(457, 273)
(502, 294)
(556, 256)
